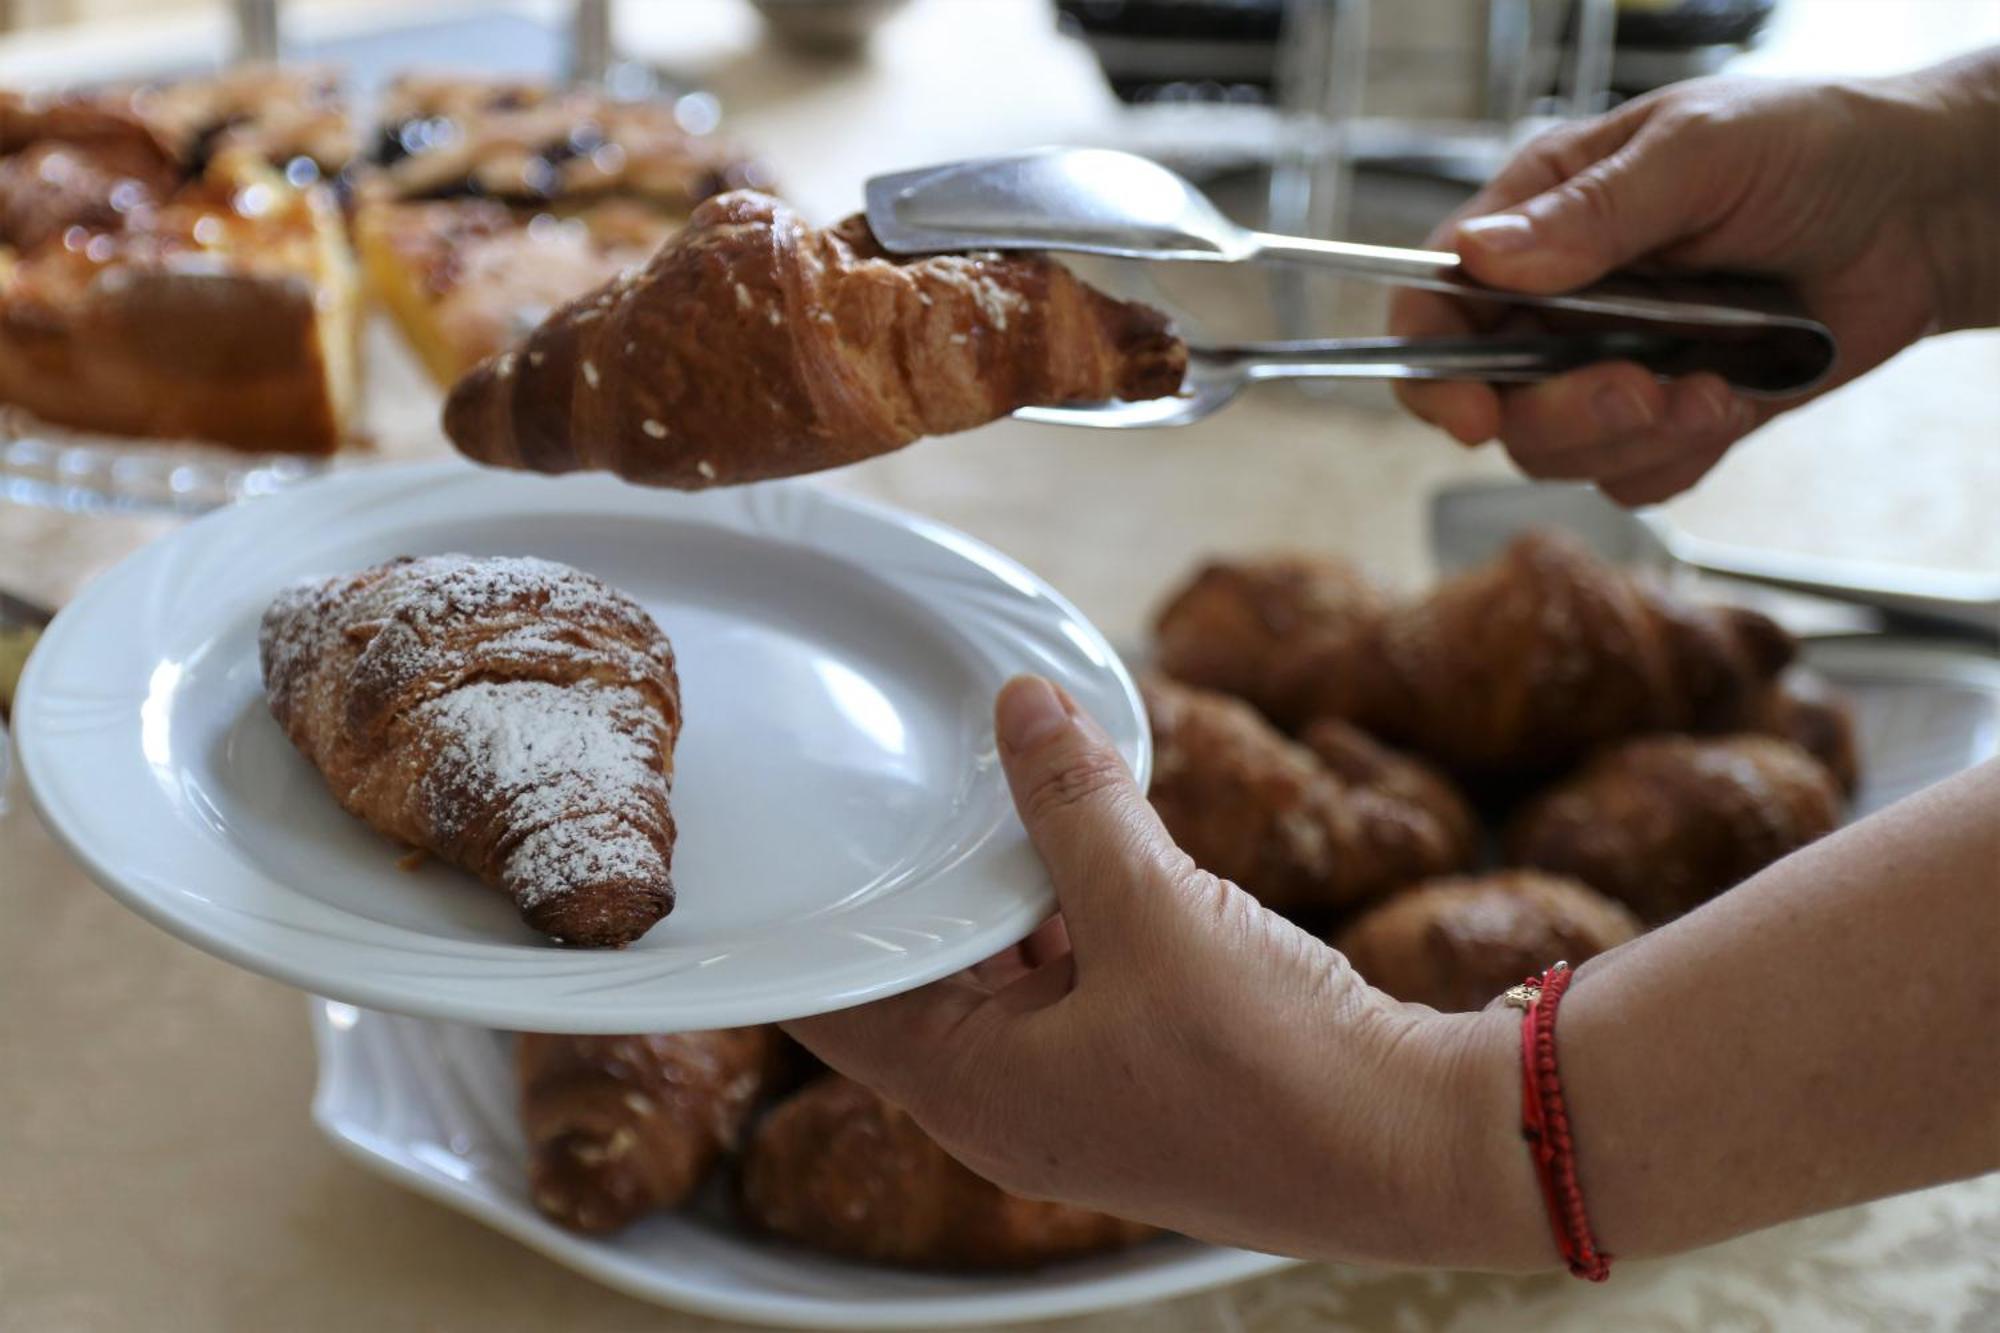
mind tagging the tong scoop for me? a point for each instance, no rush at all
(1216, 374)
(1749, 330)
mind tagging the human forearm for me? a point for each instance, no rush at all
(1177, 1054)
(1827, 1033)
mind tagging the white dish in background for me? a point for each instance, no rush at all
(845, 830)
(431, 1106)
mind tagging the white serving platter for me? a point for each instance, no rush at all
(431, 1106)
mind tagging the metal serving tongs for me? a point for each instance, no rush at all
(1096, 201)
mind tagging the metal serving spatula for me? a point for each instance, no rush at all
(1471, 521)
(1096, 201)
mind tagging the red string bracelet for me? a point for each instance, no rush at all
(1545, 1123)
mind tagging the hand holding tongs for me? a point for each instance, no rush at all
(1095, 201)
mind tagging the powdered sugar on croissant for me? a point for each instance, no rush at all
(513, 716)
(754, 346)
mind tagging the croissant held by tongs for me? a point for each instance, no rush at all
(754, 346)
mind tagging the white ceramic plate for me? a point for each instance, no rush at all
(431, 1106)
(845, 830)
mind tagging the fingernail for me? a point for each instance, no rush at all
(1028, 713)
(1621, 409)
(1713, 408)
(1501, 233)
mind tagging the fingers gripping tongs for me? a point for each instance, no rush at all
(1094, 201)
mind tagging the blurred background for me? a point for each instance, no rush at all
(1349, 101)
(1329, 117)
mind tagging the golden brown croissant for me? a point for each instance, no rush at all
(1664, 823)
(1362, 762)
(837, 1168)
(1279, 631)
(1808, 710)
(754, 346)
(1252, 806)
(1455, 944)
(1529, 662)
(623, 1126)
(515, 717)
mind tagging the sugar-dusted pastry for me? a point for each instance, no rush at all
(225, 311)
(490, 202)
(1529, 662)
(1810, 711)
(460, 136)
(465, 278)
(619, 1127)
(170, 265)
(1278, 631)
(1455, 944)
(1664, 823)
(837, 1168)
(754, 346)
(48, 186)
(292, 117)
(1253, 806)
(514, 717)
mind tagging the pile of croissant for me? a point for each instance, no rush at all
(1533, 763)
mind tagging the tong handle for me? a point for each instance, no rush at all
(1508, 360)
(1759, 338)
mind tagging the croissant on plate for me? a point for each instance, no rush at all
(754, 346)
(514, 717)
(1527, 663)
(837, 1168)
(1255, 807)
(618, 1127)
(1455, 944)
(1279, 631)
(1664, 823)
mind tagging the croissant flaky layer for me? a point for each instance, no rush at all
(1529, 662)
(1808, 710)
(1664, 823)
(1456, 943)
(1301, 827)
(514, 717)
(1512, 670)
(753, 346)
(621, 1126)
(1277, 631)
(839, 1169)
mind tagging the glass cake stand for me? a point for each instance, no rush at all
(85, 473)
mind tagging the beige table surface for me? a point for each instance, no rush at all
(157, 1168)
